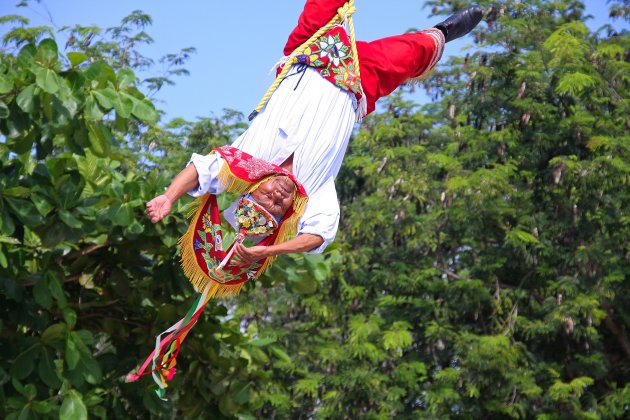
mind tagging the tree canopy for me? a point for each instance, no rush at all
(481, 270)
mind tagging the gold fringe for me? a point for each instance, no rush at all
(232, 183)
(217, 290)
(226, 290)
(197, 277)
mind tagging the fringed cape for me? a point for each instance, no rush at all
(202, 251)
(202, 244)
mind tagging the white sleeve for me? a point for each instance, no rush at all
(208, 167)
(321, 216)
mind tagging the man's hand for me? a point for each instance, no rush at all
(249, 255)
(302, 243)
(158, 208)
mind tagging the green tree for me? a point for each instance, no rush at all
(86, 282)
(482, 265)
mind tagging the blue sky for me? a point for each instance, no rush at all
(237, 42)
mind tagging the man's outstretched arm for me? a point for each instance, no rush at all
(302, 243)
(160, 206)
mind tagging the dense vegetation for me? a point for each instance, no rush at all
(482, 266)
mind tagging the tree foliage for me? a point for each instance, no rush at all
(86, 281)
(481, 268)
(483, 264)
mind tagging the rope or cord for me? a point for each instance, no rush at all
(343, 13)
(355, 53)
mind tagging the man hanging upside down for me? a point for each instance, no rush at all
(300, 136)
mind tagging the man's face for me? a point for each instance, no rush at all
(275, 195)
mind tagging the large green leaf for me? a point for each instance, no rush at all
(70, 316)
(125, 77)
(7, 226)
(42, 203)
(26, 98)
(72, 407)
(90, 369)
(305, 285)
(61, 165)
(262, 342)
(42, 407)
(69, 188)
(69, 219)
(4, 262)
(55, 334)
(123, 104)
(135, 228)
(144, 110)
(46, 369)
(241, 392)
(63, 112)
(121, 214)
(25, 211)
(56, 290)
(26, 55)
(6, 83)
(72, 353)
(76, 82)
(81, 137)
(132, 189)
(77, 58)
(100, 138)
(24, 364)
(280, 354)
(100, 72)
(105, 97)
(46, 78)
(47, 53)
(41, 293)
(92, 109)
(29, 391)
(17, 192)
(9, 240)
(4, 111)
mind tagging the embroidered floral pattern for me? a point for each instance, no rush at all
(207, 244)
(309, 57)
(207, 223)
(256, 168)
(332, 56)
(346, 77)
(331, 46)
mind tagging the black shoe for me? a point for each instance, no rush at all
(460, 23)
